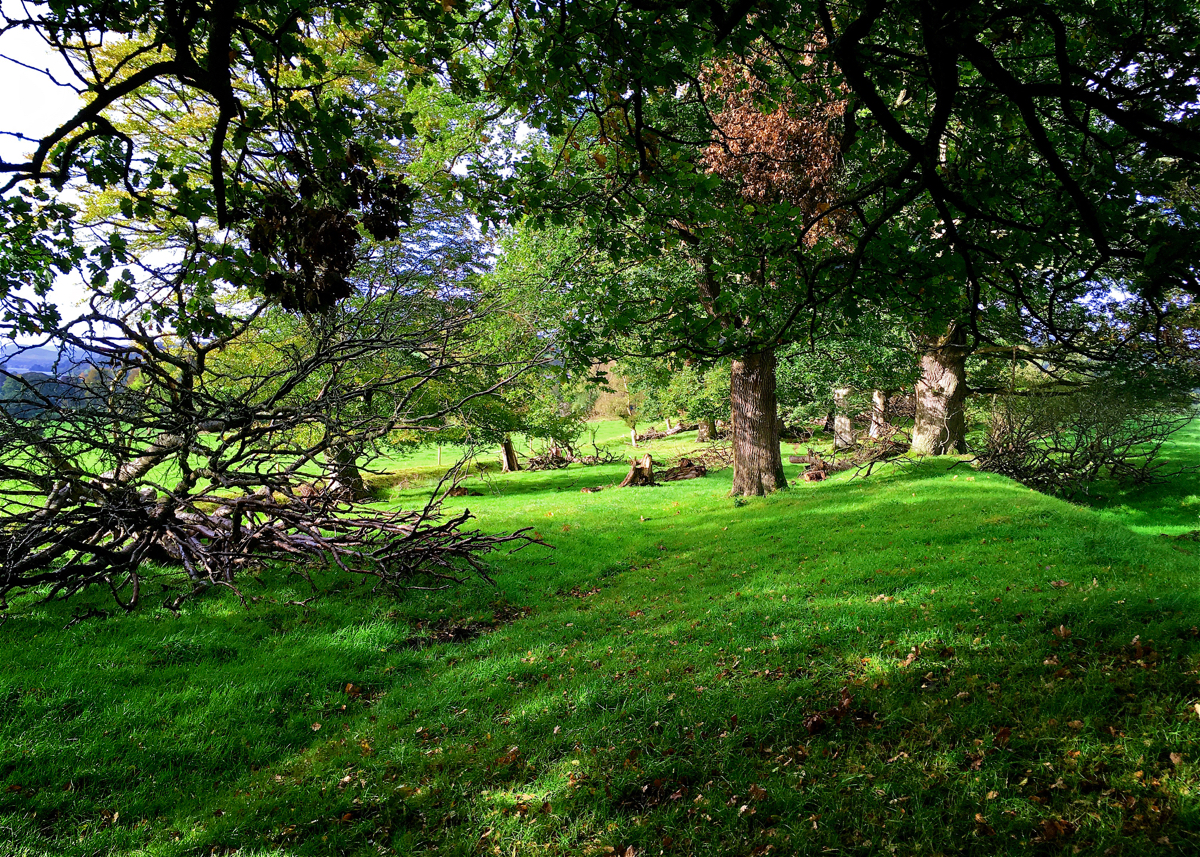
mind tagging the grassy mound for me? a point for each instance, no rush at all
(934, 661)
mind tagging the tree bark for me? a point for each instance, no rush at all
(641, 472)
(508, 456)
(941, 425)
(341, 466)
(757, 463)
(706, 431)
(879, 413)
(843, 425)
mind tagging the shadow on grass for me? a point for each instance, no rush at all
(1171, 506)
(914, 664)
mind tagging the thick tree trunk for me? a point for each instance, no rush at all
(706, 431)
(941, 425)
(879, 413)
(843, 425)
(757, 464)
(508, 456)
(341, 468)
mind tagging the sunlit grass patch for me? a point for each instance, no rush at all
(913, 664)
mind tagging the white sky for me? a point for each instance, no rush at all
(33, 105)
(29, 102)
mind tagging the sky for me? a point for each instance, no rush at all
(33, 105)
(29, 102)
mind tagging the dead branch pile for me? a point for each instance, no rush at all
(796, 434)
(864, 457)
(602, 456)
(902, 405)
(189, 465)
(119, 539)
(548, 461)
(820, 467)
(715, 456)
(1065, 443)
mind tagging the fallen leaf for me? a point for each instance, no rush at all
(1176, 759)
(316, 727)
(1055, 828)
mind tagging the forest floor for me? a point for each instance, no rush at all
(929, 661)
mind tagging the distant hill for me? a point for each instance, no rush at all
(40, 359)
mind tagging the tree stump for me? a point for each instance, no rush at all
(640, 472)
(843, 426)
(508, 456)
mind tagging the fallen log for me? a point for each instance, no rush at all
(686, 469)
(816, 462)
(652, 434)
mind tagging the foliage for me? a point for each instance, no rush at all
(870, 354)
(677, 389)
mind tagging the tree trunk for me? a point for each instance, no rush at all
(341, 467)
(757, 463)
(508, 456)
(879, 413)
(941, 425)
(843, 425)
(706, 431)
(633, 437)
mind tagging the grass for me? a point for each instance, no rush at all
(933, 661)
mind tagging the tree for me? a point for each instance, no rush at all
(957, 120)
(693, 271)
(981, 143)
(276, 295)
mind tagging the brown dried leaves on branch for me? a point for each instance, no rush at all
(779, 147)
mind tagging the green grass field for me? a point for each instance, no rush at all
(933, 661)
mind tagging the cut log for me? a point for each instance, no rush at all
(640, 472)
(686, 469)
(652, 434)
